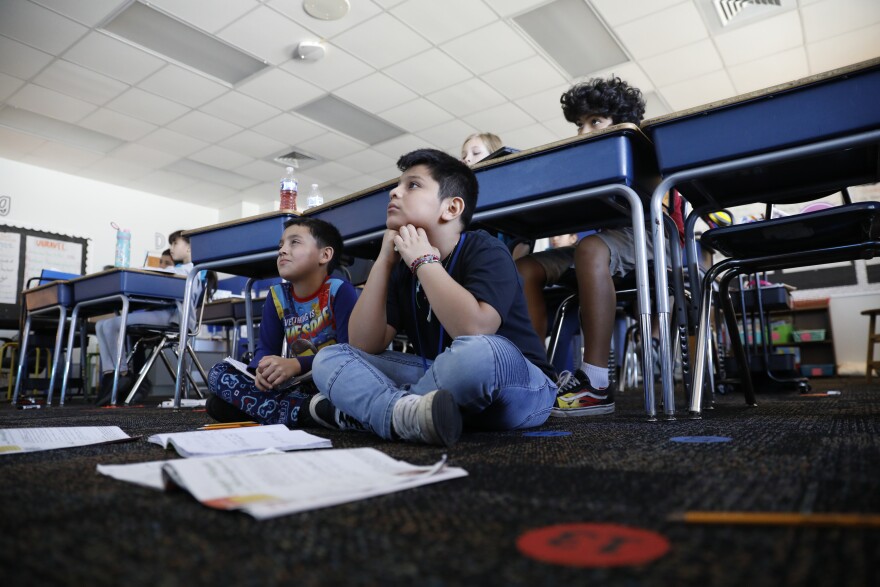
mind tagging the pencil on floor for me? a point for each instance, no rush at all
(778, 519)
(222, 425)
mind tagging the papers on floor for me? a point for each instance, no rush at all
(16, 440)
(276, 484)
(185, 403)
(231, 441)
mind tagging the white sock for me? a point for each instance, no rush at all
(598, 376)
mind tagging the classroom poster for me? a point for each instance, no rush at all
(10, 251)
(48, 253)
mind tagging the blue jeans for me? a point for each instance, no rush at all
(495, 386)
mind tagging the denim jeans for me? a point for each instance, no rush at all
(495, 386)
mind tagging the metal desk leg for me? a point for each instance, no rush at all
(59, 336)
(184, 331)
(120, 350)
(249, 315)
(661, 286)
(68, 359)
(22, 358)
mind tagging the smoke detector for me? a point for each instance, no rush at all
(327, 9)
(309, 51)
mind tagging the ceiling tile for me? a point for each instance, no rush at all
(20, 60)
(844, 49)
(240, 109)
(172, 142)
(331, 146)
(544, 105)
(220, 157)
(369, 161)
(401, 145)
(513, 7)
(62, 157)
(204, 126)
(631, 73)
(699, 90)
(162, 182)
(428, 71)
(467, 97)
(360, 183)
(760, 39)
(182, 86)
(136, 153)
(560, 127)
(79, 82)
(88, 13)
(38, 27)
(212, 19)
(8, 85)
(15, 145)
(524, 78)
(146, 106)
(281, 89)
(381, 41)
(117, 125)
(499, 119)
(358, 13)
(416, 115)
(263, 171)
(683, 63)
(662, 31)
(616, 12)
(329, 172)
(114, 58)
(204, 193)
(267, 34)
(254, 144)
(51, 103)
(289, 128)
(499, 34)
(828, 19)
(655, 106)
(528, 137)
(450, 135)
(387, 3)
(441, 21)
(770, 71)
(336, 69)
(115, 170)
(375, 92)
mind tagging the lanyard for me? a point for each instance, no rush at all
(458, 247)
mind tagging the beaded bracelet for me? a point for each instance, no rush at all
(423, 260)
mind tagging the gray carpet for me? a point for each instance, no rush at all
(63, 524)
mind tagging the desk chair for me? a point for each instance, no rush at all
(844, 233)
(168, 336)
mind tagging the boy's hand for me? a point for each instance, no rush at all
(412, 243)
(273, 370)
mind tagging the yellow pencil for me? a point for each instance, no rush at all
(223, 425)
(778, 519)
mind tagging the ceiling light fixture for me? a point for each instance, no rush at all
(309, 51)
(326, 9)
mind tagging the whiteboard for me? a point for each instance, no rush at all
(10, 253)
(48, 253)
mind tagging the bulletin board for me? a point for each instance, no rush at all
(24, 253)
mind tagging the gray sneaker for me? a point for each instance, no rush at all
(433, 418)
(326, 415)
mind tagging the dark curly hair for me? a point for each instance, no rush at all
(612, 98)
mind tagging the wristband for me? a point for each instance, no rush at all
(423, 260)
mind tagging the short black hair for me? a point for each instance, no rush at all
(325, 234)
(166, 252)
(455, 178)
(612, 98)
(176, 235)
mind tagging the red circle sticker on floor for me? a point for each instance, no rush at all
(592, 545)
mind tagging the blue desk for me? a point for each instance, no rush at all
(104, 292)
(809, 137)
(571, 185)
(247, 247)
(232, 313)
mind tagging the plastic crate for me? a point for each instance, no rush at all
(817, 370)
(780, 332)
(809, 335)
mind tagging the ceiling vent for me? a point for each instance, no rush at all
(296, 159)
(729, 9)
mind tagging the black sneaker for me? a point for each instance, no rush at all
(433, 418)
(576, 397)
(104, 390)
(326, 415)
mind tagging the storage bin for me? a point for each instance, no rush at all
(817, 370)
(809, 335)
(789, 350)
(780, 332)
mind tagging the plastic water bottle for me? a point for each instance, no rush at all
(123, 247)
(315, 197)
(288, 191)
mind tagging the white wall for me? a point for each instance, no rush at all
(57, 202)
(850, 330)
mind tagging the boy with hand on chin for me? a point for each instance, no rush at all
(457, 296)
(310, 310)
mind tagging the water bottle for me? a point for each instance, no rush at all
(288, 191)
(315, 197)
(123, 247)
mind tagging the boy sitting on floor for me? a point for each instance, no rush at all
(458, 298)
(307, 312)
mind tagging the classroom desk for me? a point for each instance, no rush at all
(45, 299)
(107, 291)
(232, 313)
(809, 137)
(247, 247)
(567, 186)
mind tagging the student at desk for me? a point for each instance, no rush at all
(166, 260)
(308, 311)
(591, 105)
(107, 331)
(456, 295)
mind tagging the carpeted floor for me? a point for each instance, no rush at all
(63, 524)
